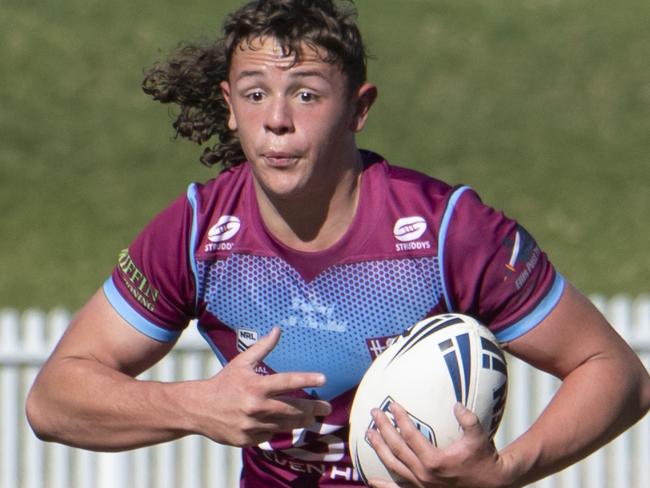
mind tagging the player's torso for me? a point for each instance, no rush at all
(337, 309)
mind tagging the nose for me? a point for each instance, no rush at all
(278, 117)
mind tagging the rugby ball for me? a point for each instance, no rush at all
(439, 361)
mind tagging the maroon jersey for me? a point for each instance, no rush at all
(416, 247)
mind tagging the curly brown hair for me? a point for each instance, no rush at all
(191, 75)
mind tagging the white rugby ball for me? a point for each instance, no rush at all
(439, 361)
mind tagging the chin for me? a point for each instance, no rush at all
(287, 195)
(283, 191)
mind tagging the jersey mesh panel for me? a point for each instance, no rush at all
(326, 321)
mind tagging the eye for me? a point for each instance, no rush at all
(255, 96)
(307, 97)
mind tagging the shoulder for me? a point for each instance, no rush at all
(404, 177)
(406, 185)
(228, 183)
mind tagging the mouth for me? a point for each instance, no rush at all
(278, 159)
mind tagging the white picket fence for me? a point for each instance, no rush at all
(25, 462)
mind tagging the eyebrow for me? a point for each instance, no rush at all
(297, 74)
(248, 74)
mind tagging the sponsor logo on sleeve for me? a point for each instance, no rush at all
(524, 255)
(221, 232)
(136, 282)
(408, 230)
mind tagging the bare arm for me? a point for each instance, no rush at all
(605, 389)
(86, 394)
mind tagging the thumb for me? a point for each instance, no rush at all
(468, 420)
(258, 351)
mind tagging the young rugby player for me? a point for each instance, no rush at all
(301, 260)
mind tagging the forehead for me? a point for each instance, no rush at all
(265, 53)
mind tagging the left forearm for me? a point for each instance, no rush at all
(596, 402)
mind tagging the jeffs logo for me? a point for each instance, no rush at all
(409, 228)
(225, 228)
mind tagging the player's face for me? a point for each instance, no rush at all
(296, 122)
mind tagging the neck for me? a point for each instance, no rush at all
(314, 221)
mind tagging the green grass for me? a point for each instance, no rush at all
(542, 106)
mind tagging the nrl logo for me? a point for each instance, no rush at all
(245, 339)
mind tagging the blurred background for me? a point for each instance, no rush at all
(543, 106)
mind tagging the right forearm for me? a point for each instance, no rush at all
(83, 403)
(84, 398)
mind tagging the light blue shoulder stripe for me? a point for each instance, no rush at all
(193, 199)
(538, 314)
(444, 226)
(128, 313)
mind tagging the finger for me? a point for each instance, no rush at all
(379, 483)
(392, 463)
(288, 424)
(287, 411)
(257, 438)
(285, 408)
(315, 408)
(468, 421)
(416, 441)
(270, 426)
(281, 383)
(284, 419)
(274, 418)
(394, 437)
(258, 351)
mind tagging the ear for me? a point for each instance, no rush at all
(364, 98)
(225, 91)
